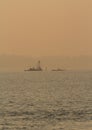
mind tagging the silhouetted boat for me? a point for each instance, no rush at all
(38, 68)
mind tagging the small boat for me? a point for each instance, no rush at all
(38, 68)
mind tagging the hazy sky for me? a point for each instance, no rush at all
(46, 27)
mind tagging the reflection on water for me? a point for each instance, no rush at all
(46, 101)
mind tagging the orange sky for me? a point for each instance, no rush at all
(46, 27)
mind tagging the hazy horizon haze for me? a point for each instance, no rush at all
(46, 28)
(51, 27)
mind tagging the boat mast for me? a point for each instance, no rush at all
(38, 65)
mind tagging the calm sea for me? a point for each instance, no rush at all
(46, 101)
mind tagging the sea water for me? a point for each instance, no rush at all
(46, 100)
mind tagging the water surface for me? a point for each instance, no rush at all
(46, 101)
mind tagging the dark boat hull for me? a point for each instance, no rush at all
(33, 70)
